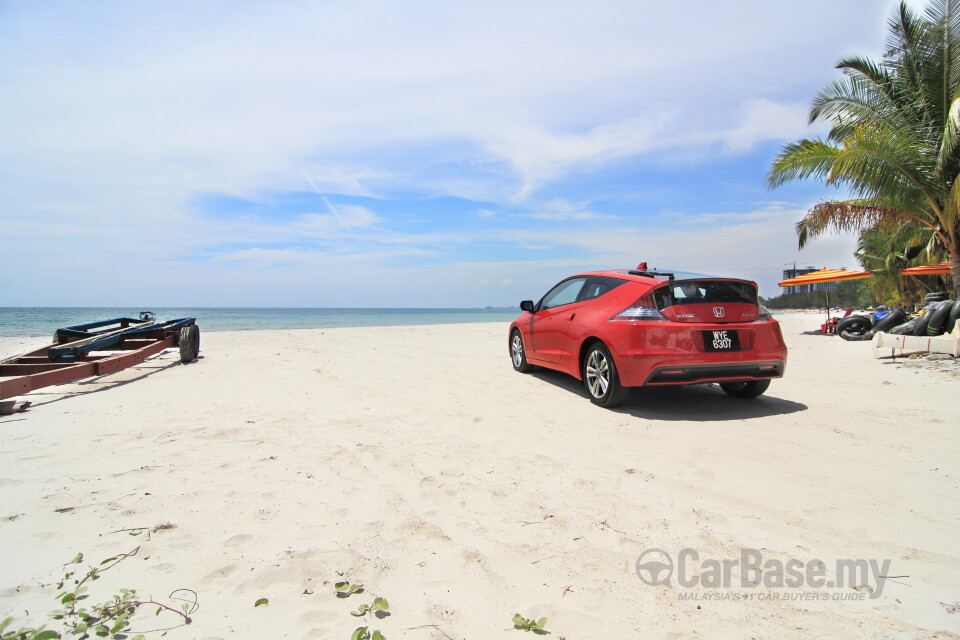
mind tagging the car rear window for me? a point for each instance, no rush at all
(705, 291)
(599, 285)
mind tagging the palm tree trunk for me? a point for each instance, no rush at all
(954, 253)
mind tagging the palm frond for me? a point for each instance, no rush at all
(875, 161)
(950, 141)
(840, 217)
(801, 160)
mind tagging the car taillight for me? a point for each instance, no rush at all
(764, 313)
(643, 309)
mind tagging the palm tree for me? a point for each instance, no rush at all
(886, 254)
(894, 141)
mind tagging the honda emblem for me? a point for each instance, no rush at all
(718, 312)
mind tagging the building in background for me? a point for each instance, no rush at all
(805, 288)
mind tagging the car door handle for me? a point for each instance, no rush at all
(570, 317)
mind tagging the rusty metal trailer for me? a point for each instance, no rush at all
(97, 349)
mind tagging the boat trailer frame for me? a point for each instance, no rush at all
(97, 349)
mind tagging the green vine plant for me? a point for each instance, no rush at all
(379, 609)
(524, 624)
(345, 589)
(108, 619)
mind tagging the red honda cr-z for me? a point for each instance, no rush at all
(637, 328)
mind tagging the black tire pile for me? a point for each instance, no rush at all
(939, 317)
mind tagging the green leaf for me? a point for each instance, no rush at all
(78, 559)
(120, 625)
(6, 623)
(360, 633)
(377, 636)
(139, 637)
(108, 560)
(102, 631)
(159, 609)
(67, 598)
(356, 588)
(341, 586)
(361, 610)
(49, 634)
(380, 604)
(518, 619)
(261, 601)
(80, 628)
(541, 622)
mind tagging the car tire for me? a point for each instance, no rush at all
(938, 320)
(189, 343)
(889, 321)
(750, 389)
(518, 355)
(905, 329)
(921, 327)
(853, 327)
(952, 319)
(600, 377)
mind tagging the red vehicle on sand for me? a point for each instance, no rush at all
(639, 328)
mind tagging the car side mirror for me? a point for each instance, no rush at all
(527, 305)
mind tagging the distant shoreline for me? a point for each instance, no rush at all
(32, 322)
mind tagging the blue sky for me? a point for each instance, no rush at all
(403, 154)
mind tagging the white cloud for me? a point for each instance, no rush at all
(541, 157)
(764, 119)
(561, 210)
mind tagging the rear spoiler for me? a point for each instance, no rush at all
(652, 274)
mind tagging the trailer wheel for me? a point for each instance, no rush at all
(189, 343)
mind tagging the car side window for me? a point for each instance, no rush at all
(564, 293)
(599, 285)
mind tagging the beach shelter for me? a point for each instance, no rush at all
(940, 268)
(825, 275)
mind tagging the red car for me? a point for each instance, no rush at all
(638, 328)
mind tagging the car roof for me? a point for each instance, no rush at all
(624, 274)
(651, 280)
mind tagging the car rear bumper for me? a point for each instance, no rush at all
(715, 373)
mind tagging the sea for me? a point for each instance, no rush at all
(25, 322)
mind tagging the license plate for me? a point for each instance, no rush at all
(721, 341)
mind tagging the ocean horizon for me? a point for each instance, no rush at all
(16, 322)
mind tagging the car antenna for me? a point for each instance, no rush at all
(643, 270)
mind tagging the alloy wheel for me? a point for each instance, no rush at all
(598, 374)
(516, 350)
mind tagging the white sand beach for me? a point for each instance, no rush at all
(414, 460)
